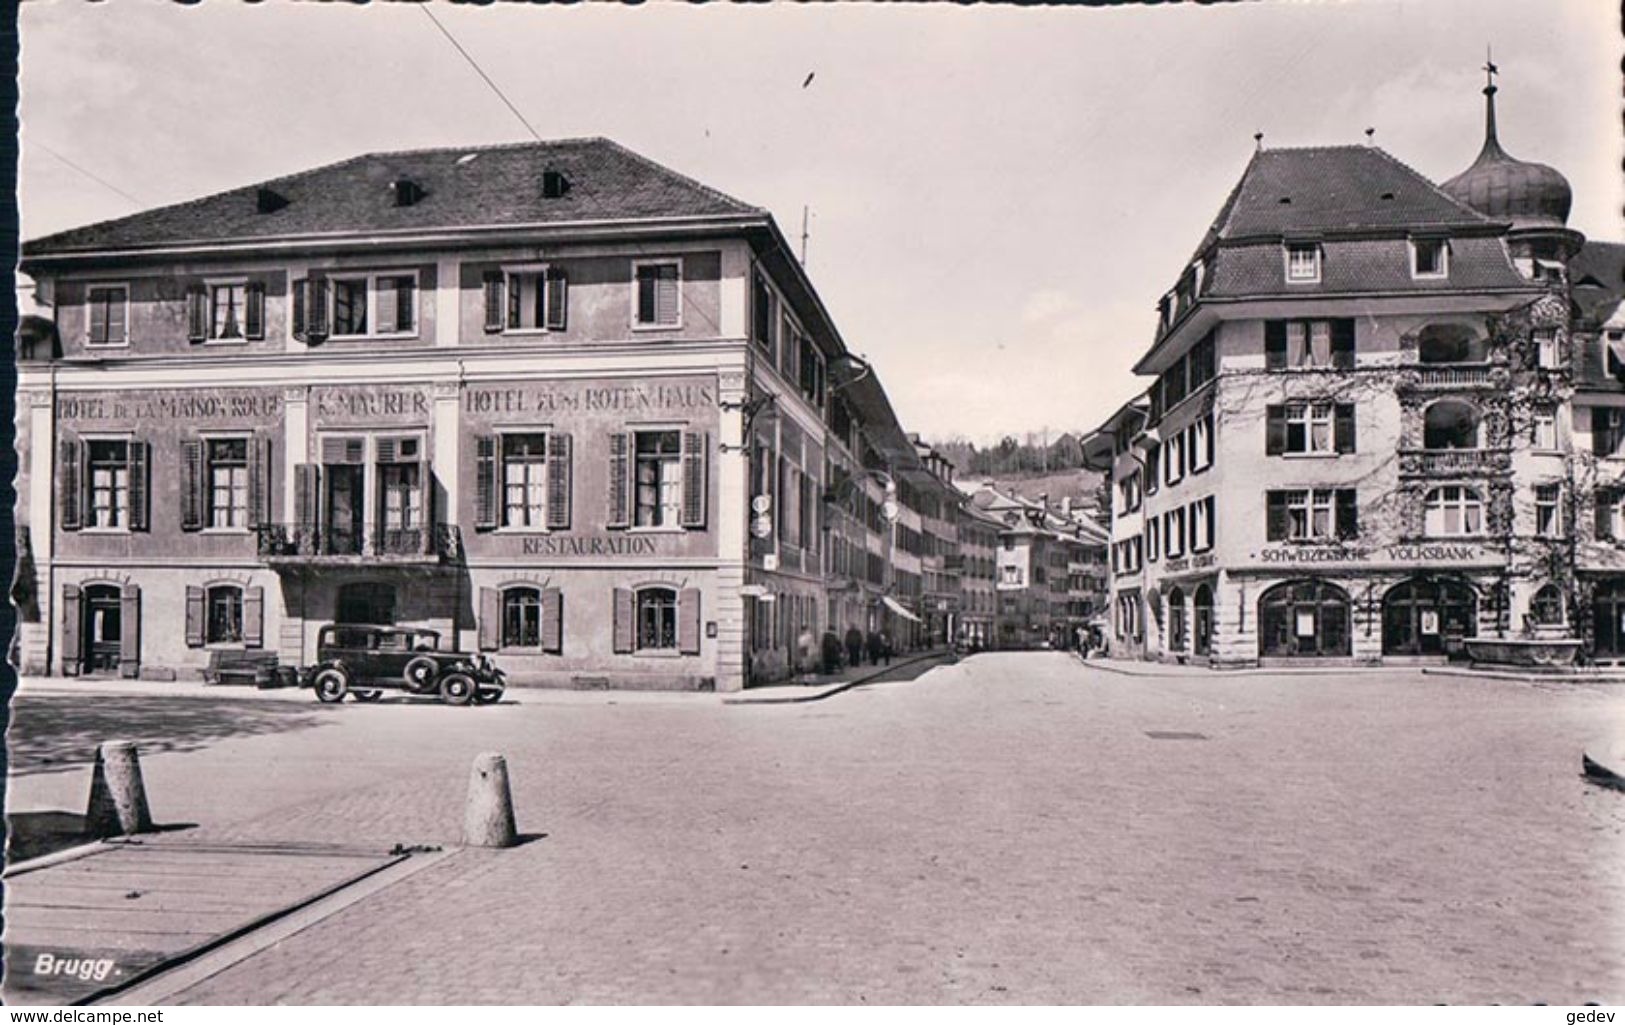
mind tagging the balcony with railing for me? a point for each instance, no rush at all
(291, 543)
(1455, 376)
(1454, 462)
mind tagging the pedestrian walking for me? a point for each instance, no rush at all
(854, 646)
(872, 642)
(831, 652)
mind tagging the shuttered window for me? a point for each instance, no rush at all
(107, 310)
(658, 291)
(658, 478)
(1309, 428)
(528, 299)
(228, 310)
(1309, 344)
(656, 619)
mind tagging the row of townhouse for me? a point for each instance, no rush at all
(1381, 423)
(554, 400)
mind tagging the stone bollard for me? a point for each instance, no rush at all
(488, 818)
(118, 798)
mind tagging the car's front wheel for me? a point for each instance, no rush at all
(457, 689)
(331, 685)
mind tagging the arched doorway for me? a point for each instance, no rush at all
(1202, 620)
(103, 630)
(1608, 620)
(1428, 616)
(1303, 619)
(365, 602)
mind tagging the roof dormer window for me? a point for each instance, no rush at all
(1430, 258)
(1303, 261)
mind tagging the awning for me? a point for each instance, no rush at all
(895, 606)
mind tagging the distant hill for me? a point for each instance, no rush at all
(1033, 455)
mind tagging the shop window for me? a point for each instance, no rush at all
(1546, 607)
(1454, 511)
(225, 615)
(1176, 620)
(1304, 618)
(1428, 616)
(1202, 620)
(107, 315)
(1451, 425)
(658, 292)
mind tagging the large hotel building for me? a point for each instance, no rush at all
(1385, 417)
(554, 400)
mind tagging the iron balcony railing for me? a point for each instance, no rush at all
(1448, 376)
(295, 542)
(1422, 462)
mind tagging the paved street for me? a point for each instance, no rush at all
(1006, 830)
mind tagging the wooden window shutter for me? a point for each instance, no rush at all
(688, 621)
(406, 306)
(301, 304)
(195, 612)
(1348, 515)
(388, 450)
(388, 312)
(72, 620)
(1274, 430)
(348, 451)
(197, 314)
(696, 447)
(140, 489)
(491, 281)
(307, 494)
(1344, 427)
(490, 619)
(558, 299)
(645, 285)
(192, 483)
(316, 311)
(668, 298)
(99, 308)
(129, 642)
(1343, 343)
(620, 474)
(259, 481)
(552, 621)
(426, 528)
(1275, 528)
(623, 622)
(1274, 344)
(70, 486)
(486, 502)
(254, 311)
(253, 617)
(558, 481)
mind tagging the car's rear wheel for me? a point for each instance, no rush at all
(457, 689)
(368, 696)
(420, 674)
(331, 685)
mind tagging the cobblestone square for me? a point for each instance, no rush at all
(1017, 828)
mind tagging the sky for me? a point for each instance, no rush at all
(998, 196)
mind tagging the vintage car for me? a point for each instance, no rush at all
(367, 660)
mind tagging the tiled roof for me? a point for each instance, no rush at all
(1335, 188)
(1362, 265)
(1597, 276)
(488, 186)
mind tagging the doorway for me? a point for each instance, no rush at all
(103, 629)
(1428, 617)
(345, 509)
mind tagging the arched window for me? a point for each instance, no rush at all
(1546, 607)
(224, 623)
(1304, 618)
(1428, 616)
(1450, 343)
(1176, 620)
(1203, 619)
(1451, 424)
(522, 617)
(1454, 511)
(657, 619)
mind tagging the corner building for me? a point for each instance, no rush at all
(1357, 442)
(514, 394)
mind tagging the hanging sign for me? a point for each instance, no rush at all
(1430, 623)
(1306, 623)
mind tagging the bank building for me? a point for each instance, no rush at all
(554, 400)
(1382, 423)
